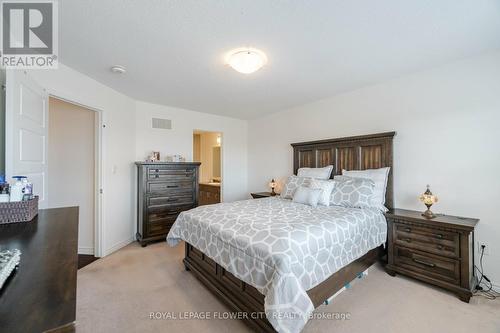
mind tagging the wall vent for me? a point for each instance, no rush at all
(162, 123)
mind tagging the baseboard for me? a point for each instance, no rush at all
(118, 246)
(85, 250)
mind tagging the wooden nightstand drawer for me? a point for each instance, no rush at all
(430, 240)
(435, 266)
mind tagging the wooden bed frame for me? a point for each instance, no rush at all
(351, 153)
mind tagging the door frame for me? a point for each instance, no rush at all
(221, 133)
(98, 169)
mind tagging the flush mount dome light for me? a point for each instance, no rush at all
(246, 60)
(117, 69)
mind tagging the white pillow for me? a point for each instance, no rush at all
(292, 183)
(307, 196)
(379, 177)
(352, 192)
(319, 173)
(326, 187)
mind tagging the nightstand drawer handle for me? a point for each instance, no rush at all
(440, 236)
(440, 247)
(408, 229)
(408, 240)
(424, 262)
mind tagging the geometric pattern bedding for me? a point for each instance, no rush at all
(280, 247)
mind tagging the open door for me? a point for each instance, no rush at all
(26, 130)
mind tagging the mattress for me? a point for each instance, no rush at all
(281, 248)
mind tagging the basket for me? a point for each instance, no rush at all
(21, 211)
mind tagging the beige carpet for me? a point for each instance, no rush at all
(117, 294)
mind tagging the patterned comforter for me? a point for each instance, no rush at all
(280, 247)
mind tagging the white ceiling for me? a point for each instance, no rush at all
(173, 50)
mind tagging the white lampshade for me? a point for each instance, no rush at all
(246, 61)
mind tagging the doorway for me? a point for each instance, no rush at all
(207, 147)
(72, 161)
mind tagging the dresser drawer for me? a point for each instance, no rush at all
(158, 228)
(169, 200)
(443, 243)
(174, 174)
(166, 216)
(442, 268)
(169, 187)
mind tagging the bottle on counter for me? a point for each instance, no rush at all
(4, 192)
(27, 189)
(17, 189)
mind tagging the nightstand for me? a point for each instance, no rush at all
(259, 195)
(439, 251)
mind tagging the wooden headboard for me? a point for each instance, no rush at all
(352, 153)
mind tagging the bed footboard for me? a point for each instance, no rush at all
(241, 297)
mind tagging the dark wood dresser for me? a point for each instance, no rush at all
(41, 295)
(164, 190)
(439, 251)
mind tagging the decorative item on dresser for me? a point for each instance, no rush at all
(164, 190)
(439, 251)
(258, 195)
(273, 185)
(428, 199)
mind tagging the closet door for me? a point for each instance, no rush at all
(26, 129)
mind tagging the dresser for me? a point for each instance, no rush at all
(164, 190)
(439, 251)
(41, 294)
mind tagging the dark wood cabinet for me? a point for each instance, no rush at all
(164, 190)
(40, 295)
(209, 194)
(439, 251)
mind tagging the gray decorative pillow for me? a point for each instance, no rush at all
(352, 192)
(292, 183)
(307, 196)
(319, 173)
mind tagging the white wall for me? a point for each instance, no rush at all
(118, 111)
(448, 135)
(179, 140)
(71, 165)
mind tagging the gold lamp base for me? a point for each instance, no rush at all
(428, 214)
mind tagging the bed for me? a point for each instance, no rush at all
(296, 255)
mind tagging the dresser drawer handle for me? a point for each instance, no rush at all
(172, 186)
(157, 176)
(440, 236)
(172, 199)
(408, 229)
(440, 247)
(170, 213)
(408, 240)
(157, 170)
(424, 262)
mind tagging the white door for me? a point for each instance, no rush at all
(26, 129)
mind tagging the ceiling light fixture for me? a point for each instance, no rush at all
(246, 60)
(118, 69)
